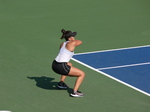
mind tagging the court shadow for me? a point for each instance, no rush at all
(45, 82)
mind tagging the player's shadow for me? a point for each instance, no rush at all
(45, 82)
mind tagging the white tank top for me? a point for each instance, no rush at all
(64, 54)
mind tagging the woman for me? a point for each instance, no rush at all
(62, 66)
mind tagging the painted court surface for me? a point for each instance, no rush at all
(129, 66)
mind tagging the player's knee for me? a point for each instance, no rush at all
(82, 74)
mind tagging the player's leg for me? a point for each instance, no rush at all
(61, 84)
(75, 72)
(63, 77)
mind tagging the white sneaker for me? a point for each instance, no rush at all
(77, 94)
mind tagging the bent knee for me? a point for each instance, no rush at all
(82, 74)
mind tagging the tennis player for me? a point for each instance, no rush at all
(62, 66)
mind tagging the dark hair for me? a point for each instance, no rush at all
(67, 34)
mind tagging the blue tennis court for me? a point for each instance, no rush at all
(130, 66)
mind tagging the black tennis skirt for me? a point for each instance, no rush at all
(61, 67)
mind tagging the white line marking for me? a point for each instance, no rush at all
(113, 50)
(124, 66)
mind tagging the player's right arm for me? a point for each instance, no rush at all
(72, 44)
(77, 42)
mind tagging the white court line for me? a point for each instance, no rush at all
(113, 50)
(124, 66)
(111, 77)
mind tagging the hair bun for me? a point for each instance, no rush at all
(63, 31)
